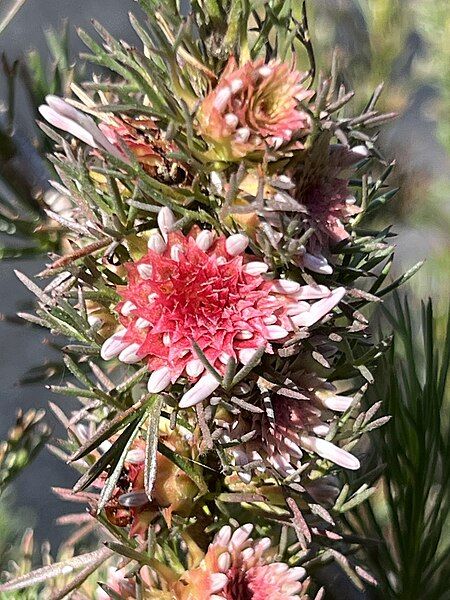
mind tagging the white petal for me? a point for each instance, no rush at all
(295, 573)
(242, 134)
(319, 309)
(82, 126)
(265, 71)
(312, 292)
(245, 477)
(255, 267)
(95, 321)
(335, 402)
(275, 141)
(205, 239)
(246, 355)
(201, 390)
(317, 264)
(236, 85)
(231, 120)
(127, 308)
(156, 243)
(224, 562)
(224, 358)
(321, 430)
(159, 380)
(217, 581)
(286, 286)
(136, 456)
(293, 447)
(129, 354)
(217, 182)
(363, 151)
(331, 452)
(67, 124)
(271, 320)
(142, 323)
(276, 332)
(195, 367)
(240, 536)
(223, 536)
(166, 221)
(244, 335)
(222, 98)
(297, 308)
(113, 345)
(236, 244)
(145, 270)
(175, 252)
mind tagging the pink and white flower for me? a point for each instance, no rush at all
(204, 289)
(254, 107)
(236, 567)
(290, 427)
(120, 136)
(323, 189)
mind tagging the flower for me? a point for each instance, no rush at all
(64, 116)
(202, 290)
(236, 567)
(144, 139)
(322, 186)
(139, 135)
(253, 107)
(293, 422)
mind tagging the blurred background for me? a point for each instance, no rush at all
(404, 43)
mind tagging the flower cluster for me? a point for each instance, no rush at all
(209, 280)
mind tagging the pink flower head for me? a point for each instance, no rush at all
(253, 107)
(326, 195)
(204, 289)
(143, 138)
(140, 136)
(247, 568)
(289, 427)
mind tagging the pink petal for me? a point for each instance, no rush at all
(61, 122)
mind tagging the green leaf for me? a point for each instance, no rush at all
(56, 570)
(152, 445)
